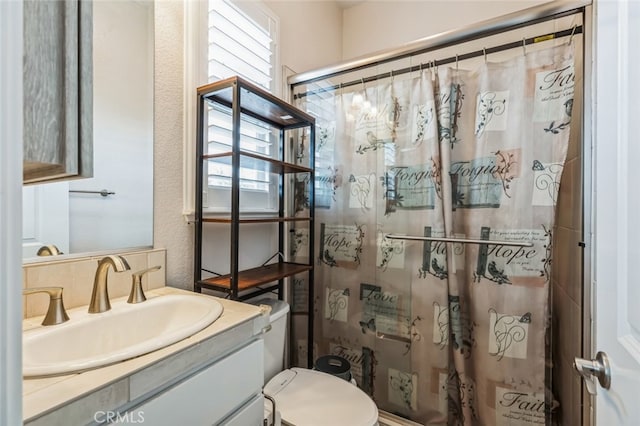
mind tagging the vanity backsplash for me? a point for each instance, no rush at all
(76, 277)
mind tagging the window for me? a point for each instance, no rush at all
(241, 41)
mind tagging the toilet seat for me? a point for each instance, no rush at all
(308, 397)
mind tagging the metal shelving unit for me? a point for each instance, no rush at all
(242, 101)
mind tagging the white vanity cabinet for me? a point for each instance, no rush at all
(214, 377)
(225, 392)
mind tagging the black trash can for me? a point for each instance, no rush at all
(334, 365)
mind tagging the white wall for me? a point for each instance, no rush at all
(170, 231)
(310, 33)
(378, 25)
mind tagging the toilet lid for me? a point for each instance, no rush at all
(308, 397)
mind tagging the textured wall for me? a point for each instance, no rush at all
(170, 230)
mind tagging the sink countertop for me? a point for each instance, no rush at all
(109, 383)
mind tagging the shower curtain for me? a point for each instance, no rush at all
(442, 333)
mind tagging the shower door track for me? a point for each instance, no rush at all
(459, 240)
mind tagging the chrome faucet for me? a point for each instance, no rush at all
(56, 314)
(100, 295)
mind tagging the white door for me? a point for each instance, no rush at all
(617, 208)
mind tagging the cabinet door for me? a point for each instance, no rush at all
(58, 107)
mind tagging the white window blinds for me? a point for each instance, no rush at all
(242, 42)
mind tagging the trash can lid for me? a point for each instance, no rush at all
(332, 364)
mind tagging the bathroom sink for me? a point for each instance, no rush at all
(128, 330)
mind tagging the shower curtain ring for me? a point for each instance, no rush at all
(456, 62)
(484, 52)
(572, 33)
(524, 46)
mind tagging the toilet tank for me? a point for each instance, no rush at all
(274, 339)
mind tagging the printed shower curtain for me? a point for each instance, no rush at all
(443, 333)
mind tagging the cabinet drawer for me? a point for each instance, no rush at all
(209, 395)
(252, 413)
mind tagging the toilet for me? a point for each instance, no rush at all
(307, 397)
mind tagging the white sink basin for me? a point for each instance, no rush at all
(128, 330)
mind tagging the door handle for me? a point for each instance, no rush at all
(590, 370)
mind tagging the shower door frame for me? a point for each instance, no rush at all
(587, 146)
(501, 24)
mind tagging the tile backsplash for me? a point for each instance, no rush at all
(76, 277)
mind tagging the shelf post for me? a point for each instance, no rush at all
(235, 189)
(281, 206)
(197, 249)
(312, 224)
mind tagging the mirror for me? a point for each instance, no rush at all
(113, 209)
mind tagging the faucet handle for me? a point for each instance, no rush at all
(56, 314)
(137, 294)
